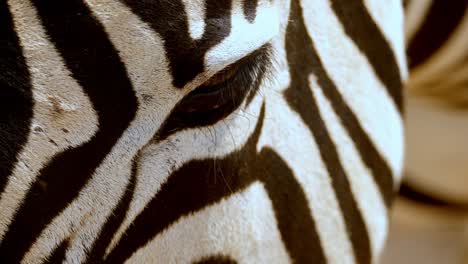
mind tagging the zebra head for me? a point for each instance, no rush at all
(171, 131)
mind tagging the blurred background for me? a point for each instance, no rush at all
(429, 224)
(429, 221)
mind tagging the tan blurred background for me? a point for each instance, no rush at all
(437, 156)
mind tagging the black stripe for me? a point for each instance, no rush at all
(114, 221)
(201, 183)
(413, 193)
(218, 259)
(95, 64)
(16, 103)
(362, 29)
(441, 21)
(59, 254)
(291, 207)
(250, 10)
(168, 18)
(303, 61)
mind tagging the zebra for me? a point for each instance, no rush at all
(199, 131)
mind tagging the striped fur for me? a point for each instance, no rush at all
(108, 157)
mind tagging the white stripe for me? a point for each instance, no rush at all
(364, 189)
(245, 37)
(195, 10)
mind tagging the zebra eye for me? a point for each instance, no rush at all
(220, 95)
(214, 93)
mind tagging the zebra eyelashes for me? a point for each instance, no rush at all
(220, 95)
